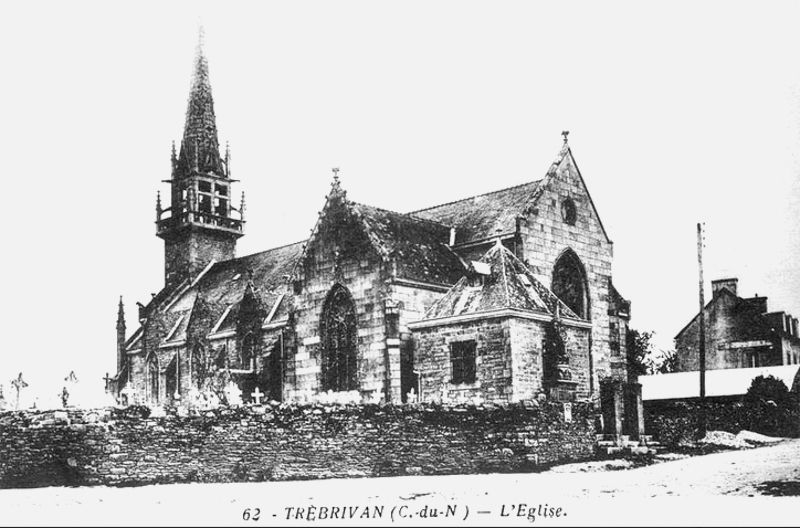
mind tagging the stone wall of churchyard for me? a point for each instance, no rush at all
(678, 422)
(122, 447)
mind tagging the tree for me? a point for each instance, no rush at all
(664, 362)
(639, 349)
(770, 408)
(643, 359)
(768, 389)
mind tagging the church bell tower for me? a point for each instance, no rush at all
(200, 225)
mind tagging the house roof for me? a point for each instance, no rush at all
(508, 285)
(757, 323)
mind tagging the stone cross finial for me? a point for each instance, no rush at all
(565, 133)
(336, 174)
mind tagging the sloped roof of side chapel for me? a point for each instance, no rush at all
(509, 285)
(485, 216)
(221, 289)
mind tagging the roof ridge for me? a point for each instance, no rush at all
(474, 196)
(407, 215)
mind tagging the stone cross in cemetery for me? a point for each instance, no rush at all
(19, 384)
(257, 395)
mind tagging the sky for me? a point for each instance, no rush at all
(678, 112)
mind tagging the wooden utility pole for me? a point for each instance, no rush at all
(702, 336)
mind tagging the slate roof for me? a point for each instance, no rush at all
(225, 283)
(223, 286)
(419, 247)
(510, 284)
(488, 215)
(751, 322)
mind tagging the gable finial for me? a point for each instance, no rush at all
(336, 174)
(565, 133)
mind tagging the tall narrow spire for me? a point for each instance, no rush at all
(120, 336)
(200, 144)
(198, 227)
(121, 314)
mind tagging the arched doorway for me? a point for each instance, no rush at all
(339, 341)
(569, 283)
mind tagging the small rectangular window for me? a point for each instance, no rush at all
(204, 186)
(222, 190)
(462, 359)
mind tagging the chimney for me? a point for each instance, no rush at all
(728, 284)
(759, 302)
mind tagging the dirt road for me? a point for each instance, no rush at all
(715, 485)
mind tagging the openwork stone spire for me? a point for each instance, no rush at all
(200, 145)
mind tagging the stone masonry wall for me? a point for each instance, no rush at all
(492, 360)
(286, 442)
(545, 236)
(342, 254)
(187, 255)
(412, 304)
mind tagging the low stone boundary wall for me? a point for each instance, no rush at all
(673, 423)
(287, 442)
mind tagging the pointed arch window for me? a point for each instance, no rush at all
(339, 341)
(569, 283)
(152, 379)
(248, 352)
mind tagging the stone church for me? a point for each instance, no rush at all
(505, 296)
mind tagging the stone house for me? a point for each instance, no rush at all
(739, 333)
(506, 295)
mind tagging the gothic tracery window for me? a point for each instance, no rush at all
(339, 341)
(569, 283)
